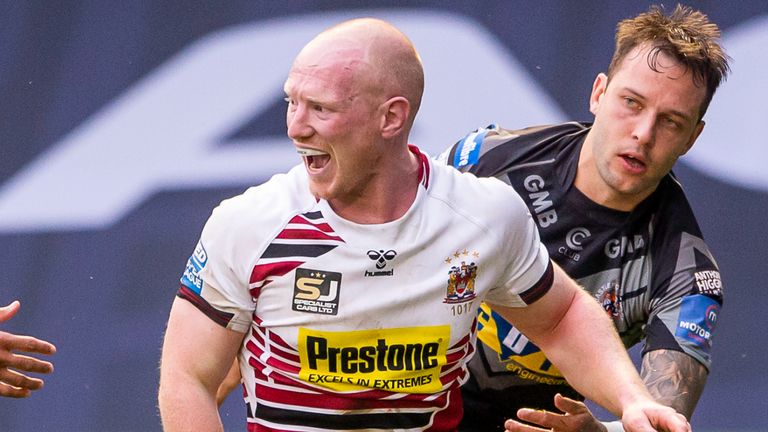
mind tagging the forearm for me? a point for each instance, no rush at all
(186, 405)
(674, 379)
(585, 347)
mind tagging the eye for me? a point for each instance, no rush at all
(671, 123)
(318, 108)
(631, 103)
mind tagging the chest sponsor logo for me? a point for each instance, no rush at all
(698, 317)
(623, 245)
(540, 200)
(316, 291)
(708, 282)
(461, 276)
(381, 258)
(518, 354)
(406, 360)
(191, 277)
(573, 241)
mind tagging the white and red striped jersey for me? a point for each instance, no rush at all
(362, 327)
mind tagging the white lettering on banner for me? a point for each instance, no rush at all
(164, 132)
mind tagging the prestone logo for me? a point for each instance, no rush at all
(401, 359)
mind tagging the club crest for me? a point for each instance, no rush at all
(461, 277)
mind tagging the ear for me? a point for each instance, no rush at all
(696, 132)
(598, 90)
(396, 111)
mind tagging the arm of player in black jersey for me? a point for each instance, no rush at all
(197, 353)
(674, 379)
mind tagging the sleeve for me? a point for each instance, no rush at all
(686, 302)
(528, 272)
(465, 153)
(215, 279)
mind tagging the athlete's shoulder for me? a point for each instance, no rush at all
(478, 198)
(282, 196)
(493, 150)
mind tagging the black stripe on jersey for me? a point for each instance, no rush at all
(388, 421)
(219, 317)
(541, 287)
(278, 250)
(313, 215)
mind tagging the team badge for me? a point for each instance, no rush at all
(609, 298)
(461, 277)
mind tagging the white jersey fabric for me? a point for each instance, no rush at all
(362, 327)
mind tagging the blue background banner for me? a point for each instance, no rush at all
(124, 123)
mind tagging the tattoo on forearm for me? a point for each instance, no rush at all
(674, 379)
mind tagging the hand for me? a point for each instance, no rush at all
(649, 416)
(12, 383)
(576, 417)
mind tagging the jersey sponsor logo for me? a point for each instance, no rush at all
(518, 354)
(573, 241)
(540, 200)
(191, 277)
(381, 257)
(461, 277)
(697, 319)
(708, 282)
(468, 149)
(316, 291)
(404, 360)
(623, 245)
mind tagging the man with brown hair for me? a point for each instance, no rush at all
(331, 282)
(614, 217)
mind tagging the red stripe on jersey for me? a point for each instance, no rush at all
(276, 359)
(257, 332)
(448, 418)
(347, 402)
(298, 219)
(263, 271)
(308, 234)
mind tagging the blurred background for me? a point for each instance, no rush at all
(122, 124)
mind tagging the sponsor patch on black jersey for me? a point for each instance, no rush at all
(708, 283)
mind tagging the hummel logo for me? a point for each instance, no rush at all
(381, 257)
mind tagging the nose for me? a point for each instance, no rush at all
(297, 122)
(644, 130)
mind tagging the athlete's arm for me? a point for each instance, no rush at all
(577, 336)
(231, 381)
(197, 353)
(674, 378)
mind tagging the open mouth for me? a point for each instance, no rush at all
(633, 162)
(315, 159)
